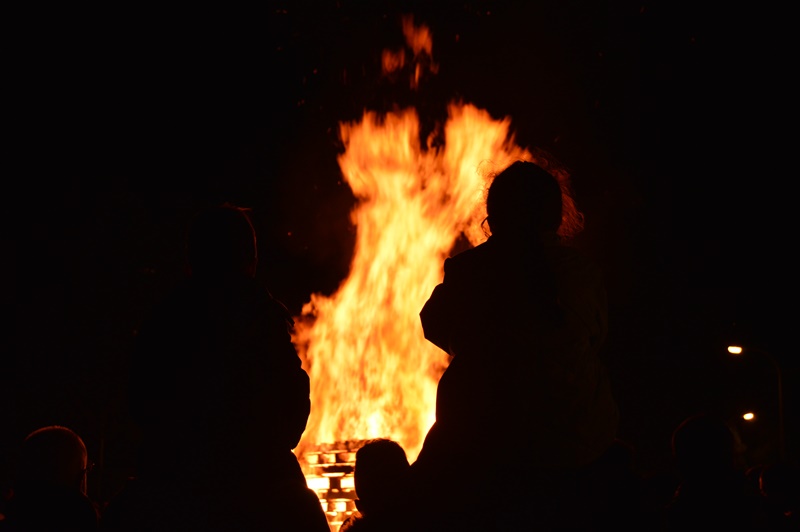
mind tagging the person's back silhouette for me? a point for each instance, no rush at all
(524, 318)
(218, 390)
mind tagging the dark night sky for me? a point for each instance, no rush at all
(672, 117)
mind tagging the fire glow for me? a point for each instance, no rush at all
(372, 372)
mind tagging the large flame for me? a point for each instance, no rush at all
(372, 372)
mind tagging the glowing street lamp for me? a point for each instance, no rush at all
(738, 350)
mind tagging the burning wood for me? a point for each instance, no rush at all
(330, 468)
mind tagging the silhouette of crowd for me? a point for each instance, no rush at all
(220, 400)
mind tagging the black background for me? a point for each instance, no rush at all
(674, 117)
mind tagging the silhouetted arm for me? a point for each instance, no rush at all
(442, 312)
(437, 319)
(292, 382)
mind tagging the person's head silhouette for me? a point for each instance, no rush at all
(524, 198)
(381, 466)
(703, 443)
(222, 241)
(54, 456)
(529, 198)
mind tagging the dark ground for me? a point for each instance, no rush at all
(673, 117)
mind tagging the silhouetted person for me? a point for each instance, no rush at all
(779, 486)
(49, 490)
(220, 395)
(381, 476)
(713, 493)
(525, 402)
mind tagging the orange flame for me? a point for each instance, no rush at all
(420, 43)
(372, 372)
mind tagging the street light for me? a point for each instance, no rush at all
(738, 350)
